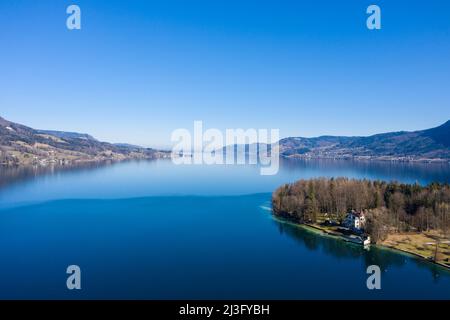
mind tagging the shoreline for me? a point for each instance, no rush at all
(373, 159)
(335, 235)
(163, 154)
(45, 163)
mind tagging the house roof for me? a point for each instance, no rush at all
(357, 214)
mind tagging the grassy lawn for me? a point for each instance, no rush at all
(416, 243)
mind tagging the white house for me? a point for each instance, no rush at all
(355, 220)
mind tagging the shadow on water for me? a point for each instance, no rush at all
(383, 257)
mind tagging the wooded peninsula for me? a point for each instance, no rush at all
(408, 217)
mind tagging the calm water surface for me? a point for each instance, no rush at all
(154, 230)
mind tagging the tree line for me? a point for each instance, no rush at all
(389, 206)
(6, 158)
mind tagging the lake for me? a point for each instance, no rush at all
(154, 230)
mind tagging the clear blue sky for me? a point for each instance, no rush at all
(139, 69)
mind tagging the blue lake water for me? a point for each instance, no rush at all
(153, 230)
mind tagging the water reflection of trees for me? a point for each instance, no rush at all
(313, 242)
(14, 174)
(384, 258)
(385, 170)
(436, 271)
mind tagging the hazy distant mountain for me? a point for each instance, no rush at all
(127, 145)
(68, 135)
(431, 144)
(20, 144)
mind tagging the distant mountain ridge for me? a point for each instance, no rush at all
(68, 135)
(430, 144)
(20, 144)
